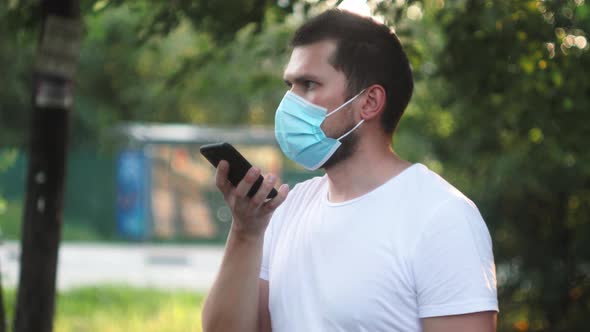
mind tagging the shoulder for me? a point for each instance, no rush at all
(433, 204)
(432, 186)
(446, 213)
(431, 192)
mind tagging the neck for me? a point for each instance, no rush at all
(370, 166)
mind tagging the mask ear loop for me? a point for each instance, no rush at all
(342, 106)
(346, 103)
(350, 131)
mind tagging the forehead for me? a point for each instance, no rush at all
(311, 60)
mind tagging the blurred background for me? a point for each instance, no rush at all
(500, 107)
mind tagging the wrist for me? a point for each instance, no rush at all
(245, 235)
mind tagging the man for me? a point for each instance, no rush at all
(377, 244)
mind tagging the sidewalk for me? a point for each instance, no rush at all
(191, 267)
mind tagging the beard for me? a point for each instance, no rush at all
(346, 150)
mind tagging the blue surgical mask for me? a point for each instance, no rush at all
(299, 133)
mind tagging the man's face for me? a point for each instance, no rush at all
(310, 75)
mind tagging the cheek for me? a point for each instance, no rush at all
(324, 101)
(332, 123)
(316, 99)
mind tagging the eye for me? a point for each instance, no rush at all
(288, 84)
(309, 85)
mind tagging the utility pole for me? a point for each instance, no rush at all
(57, 56)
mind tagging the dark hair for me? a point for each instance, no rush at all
(367, 52)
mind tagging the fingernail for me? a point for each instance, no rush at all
(271, 178)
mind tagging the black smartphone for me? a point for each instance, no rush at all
(238, 165)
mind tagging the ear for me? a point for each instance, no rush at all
(373, 102)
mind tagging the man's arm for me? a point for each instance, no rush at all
(475, 322)
(264, 324)
(233, 301)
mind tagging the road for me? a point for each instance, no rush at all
(190, 267)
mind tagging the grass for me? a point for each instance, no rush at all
(121, 308)
(10, 219)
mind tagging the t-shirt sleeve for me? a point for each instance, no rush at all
(264, 266)
(454, 266)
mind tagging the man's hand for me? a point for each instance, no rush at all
(233, 301)
(250, 215)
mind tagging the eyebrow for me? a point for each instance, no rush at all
(301, 79)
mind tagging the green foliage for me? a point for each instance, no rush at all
(10, 220)
(121, 308)
(152, 61)
(221, 19)
(16, 54)
(519, 104)
(7, 159)
(241, 81)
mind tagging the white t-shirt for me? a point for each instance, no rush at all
(414, 247)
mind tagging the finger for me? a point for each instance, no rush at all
(221, 180)
(247, 182)
(278, 200)
(267, 185)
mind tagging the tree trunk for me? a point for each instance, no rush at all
(41, 228)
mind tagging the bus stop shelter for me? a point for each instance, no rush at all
(166, 189)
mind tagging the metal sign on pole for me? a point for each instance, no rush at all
(56, 62)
